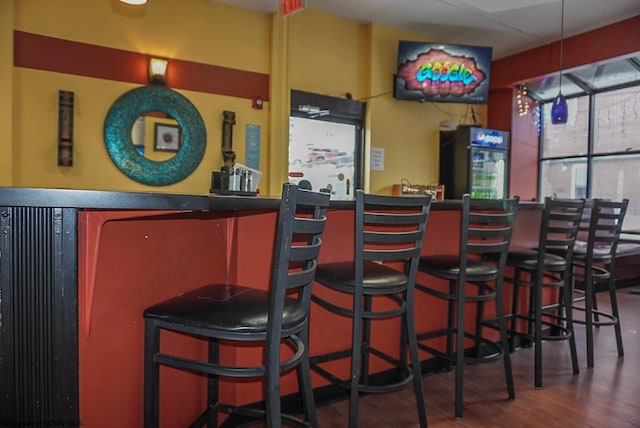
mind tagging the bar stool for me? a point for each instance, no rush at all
(485, 230)
(239, 314)
(595, 262)
(544, 268)
(389, 231)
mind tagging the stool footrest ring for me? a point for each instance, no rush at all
(406, 371)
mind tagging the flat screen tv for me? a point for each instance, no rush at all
(442, 72)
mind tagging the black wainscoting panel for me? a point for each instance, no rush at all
(38, 317)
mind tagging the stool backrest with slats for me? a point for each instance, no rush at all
(301, 222)
(486, 229)
(605, 227)
(390, 228)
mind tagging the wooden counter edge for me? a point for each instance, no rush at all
(99, 199)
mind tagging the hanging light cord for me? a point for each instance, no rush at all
(561, 43)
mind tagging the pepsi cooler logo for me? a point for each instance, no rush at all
(490, 139)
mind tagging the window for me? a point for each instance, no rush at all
(570, 139)
(616, 124)
(564, 178)
(596, 154)
(564, 151)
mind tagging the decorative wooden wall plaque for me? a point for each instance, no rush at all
(228, 155)
(65, 128)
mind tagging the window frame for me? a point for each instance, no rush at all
(590, 155)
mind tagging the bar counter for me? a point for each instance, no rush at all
(78, 267)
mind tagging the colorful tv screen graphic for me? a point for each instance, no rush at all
(442, 72)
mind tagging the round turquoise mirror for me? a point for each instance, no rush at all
(124, 154)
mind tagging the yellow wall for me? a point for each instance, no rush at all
(199, 30)
(333, 56)
(328, 55)
(408, 131)
(6, 100)
(309, 51)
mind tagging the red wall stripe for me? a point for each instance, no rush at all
(64, 56)
(618, 39)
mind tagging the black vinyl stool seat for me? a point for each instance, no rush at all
(485, 231)
(388, 230)
(240, 314)
(594, 262)
(543, 268)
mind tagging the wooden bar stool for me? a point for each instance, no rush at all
(485, 232)
(240, 314)
(389, 230)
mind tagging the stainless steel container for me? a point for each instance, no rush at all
(234, 179)
(246, 181)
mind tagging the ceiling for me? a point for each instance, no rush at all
(509, 26)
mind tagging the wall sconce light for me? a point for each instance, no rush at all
(134, 2)
(158, 70)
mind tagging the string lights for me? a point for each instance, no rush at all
(522, 98)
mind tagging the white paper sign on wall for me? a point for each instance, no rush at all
(377, 159)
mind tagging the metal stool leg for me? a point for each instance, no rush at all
(306, 387)
(415, 363)
(151, 375)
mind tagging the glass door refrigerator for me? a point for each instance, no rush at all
(474, 160)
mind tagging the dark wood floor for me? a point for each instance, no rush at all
(606, 396)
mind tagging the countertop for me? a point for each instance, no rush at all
(98, 199)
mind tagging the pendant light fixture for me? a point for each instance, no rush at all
(559, 109)
(134, 2)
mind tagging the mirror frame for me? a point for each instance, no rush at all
(117, 135)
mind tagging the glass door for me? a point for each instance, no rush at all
(488, 173)
(321, 155)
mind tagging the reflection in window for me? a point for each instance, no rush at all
(564, 179)
(616, 124)
(616, 177)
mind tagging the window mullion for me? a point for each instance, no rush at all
(590, 142)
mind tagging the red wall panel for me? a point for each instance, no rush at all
(65, 56)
